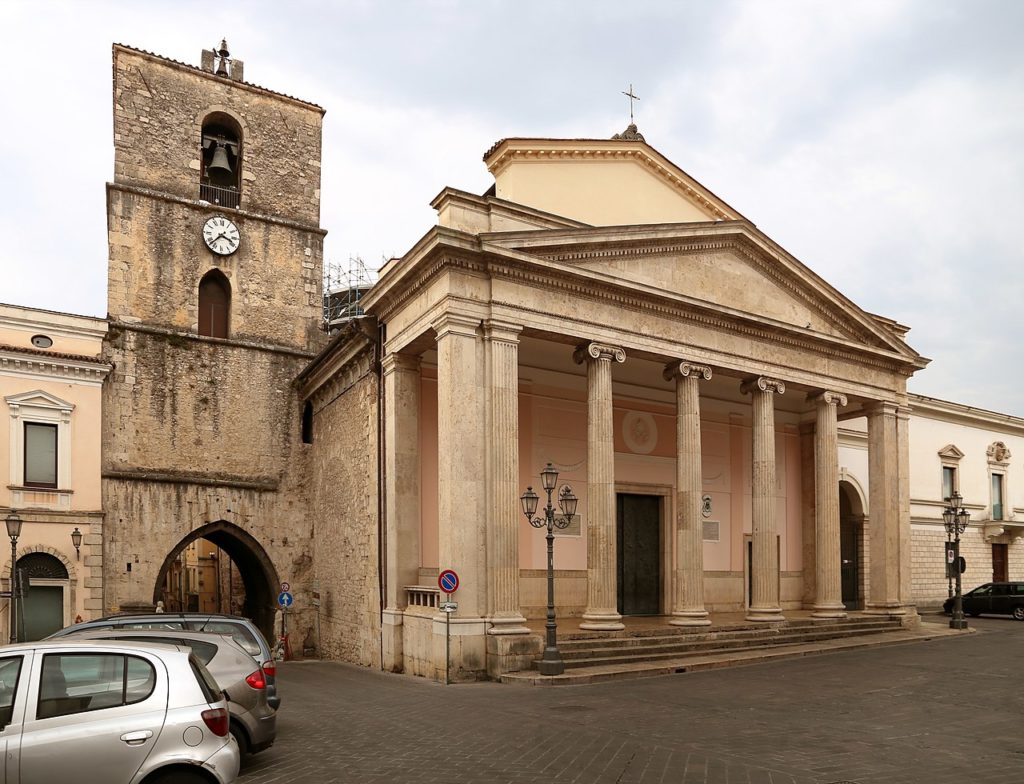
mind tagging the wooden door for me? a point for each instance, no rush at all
(639, 554)
(1000, 563)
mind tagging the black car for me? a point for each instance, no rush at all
(994, 598)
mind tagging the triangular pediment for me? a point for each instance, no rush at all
(950, 452)
(727, 267)
(39, 399)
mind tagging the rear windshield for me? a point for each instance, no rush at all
(204, 651)
(211, 691)
(236, 631)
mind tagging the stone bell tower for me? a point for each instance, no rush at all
(214, 301)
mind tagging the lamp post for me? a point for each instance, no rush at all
(14, 531)
(76, 540)
(955, 518)
(551, 662)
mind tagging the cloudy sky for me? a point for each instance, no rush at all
(882, 143)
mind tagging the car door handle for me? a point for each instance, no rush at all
(137, 738)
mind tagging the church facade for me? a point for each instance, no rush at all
(738, 434)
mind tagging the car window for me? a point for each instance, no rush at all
(238, 633)
(159, 626)
(211, 691)
(1000, 590)
(79, 682)
(1018, 589)
(984, 590)
(10, 671)
(204, 651)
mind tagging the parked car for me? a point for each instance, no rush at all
(994, 598)
(253, 721)
(117, 712)
(242, 630)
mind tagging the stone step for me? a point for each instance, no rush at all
(722, 636)
(744, 627)
(577, 659)
(600, 673)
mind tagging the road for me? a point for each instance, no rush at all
(930, 713)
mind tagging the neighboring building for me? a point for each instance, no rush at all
(51, 375)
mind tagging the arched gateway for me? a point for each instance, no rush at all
(254, 569)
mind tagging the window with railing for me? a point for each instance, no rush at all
(220, 173)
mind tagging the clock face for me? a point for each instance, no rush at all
(221, 235)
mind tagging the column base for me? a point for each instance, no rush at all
(512, 653)
(508, 624)
(765, 614)
(392, 637)
(690, 618)
(598, 621)
(828, 612)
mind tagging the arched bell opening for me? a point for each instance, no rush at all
(220, 172)
(220, 568)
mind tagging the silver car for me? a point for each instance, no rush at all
(97, 712)
(253, 721)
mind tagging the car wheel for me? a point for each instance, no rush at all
(241, 739)
(179, 776)
(1018, 613)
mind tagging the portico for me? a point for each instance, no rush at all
(674, 360)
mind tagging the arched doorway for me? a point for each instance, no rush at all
(851, 545)
(220, 568)
(43, 608)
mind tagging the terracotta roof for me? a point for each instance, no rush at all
(200, 70)
(39, 352)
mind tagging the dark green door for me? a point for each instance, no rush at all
(849, 555)
(639, 554)
(42, 612)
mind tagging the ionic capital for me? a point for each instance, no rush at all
(590, 352)
(827, 398)
(762, 384)
(686, 370)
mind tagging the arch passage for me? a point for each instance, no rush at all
(255, 568)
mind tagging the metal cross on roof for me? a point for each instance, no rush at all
(631, 99)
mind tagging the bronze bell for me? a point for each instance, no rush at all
(220, 162)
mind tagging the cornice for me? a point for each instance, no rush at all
(124, 326)
(206, 208)
(187, 478)
(16, 361)
(933, 408)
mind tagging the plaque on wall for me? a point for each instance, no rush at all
(573, 529)
(711, 531)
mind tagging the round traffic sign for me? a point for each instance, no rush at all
(286, 587)
(448, 581)
(285, 599)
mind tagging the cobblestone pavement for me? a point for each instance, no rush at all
(931, 713)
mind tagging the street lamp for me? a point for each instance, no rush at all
(14, 531)
(551, 662)
(76, 540)
(955, 518)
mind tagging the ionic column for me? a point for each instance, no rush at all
(602, 590)
(688, 596)
(889, 504)
(764, 595)
(402, 495)
(461, 455)
(502, 395)
(828, 601)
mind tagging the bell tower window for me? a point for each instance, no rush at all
(221, 156)
(214, 305)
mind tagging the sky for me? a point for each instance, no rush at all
(881, 143)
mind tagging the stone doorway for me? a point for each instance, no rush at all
(220, 568)
(851, 536)
(638, 532)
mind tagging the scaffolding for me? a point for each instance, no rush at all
(345, 285)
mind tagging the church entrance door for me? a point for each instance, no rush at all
(639, 554)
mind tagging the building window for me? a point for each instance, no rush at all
(221, 161)
(40, 455)
(307, 423)
(214, 305)
(949, 483)
(997, 496)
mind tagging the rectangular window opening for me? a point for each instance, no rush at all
(40, 455)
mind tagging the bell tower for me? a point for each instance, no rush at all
(214, 302)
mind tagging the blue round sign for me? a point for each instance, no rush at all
(448, 581)
(285, 599)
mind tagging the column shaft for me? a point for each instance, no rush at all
(502, 344)
(602, 561)
(688, 596)
(828, 601)
(764, 595)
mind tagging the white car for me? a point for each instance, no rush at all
(100, 712)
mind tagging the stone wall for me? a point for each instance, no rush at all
(344, 506)
(159, 107)
(930, 584)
